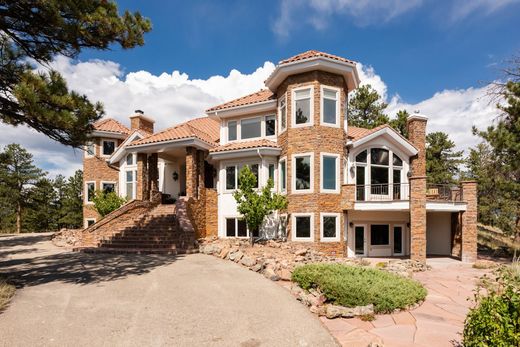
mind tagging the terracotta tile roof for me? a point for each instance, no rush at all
(313, 54)
(245, 145)
(111, 125)
(204, 129)
(260, 96)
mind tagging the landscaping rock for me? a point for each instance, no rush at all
(256, 268)
(300, 252)
(269, 273)
(248, 261)
(285, 275)
(224, 253)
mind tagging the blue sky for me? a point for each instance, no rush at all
(427, 48)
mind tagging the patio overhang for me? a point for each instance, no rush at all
(431, 206)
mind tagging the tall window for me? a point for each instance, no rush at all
(90, 191)
(329, 173)
(329, 106)
(231, 177)
(251, 128)
(130, 159)
(131, 176)
(254, 170)
(108, 147)
(232, 130)
(283, 175)
(271, 172)
(283, 114)
(379, 179)
(330, 226)
(270, 125)
(302, 173)
(302, 113)
(90, 149)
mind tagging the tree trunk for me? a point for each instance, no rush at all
(18, 217)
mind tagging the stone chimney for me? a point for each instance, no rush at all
(139, 121)
(417, 136)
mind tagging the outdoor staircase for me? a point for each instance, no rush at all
(155, 232)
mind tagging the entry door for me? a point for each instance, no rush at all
(360, 240)
(398, 246)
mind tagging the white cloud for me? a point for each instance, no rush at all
(463, 9)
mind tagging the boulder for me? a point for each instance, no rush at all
(269, 273)
(285, 274)
(238, 256)
(248, 261)
(300, 252)
(256, 268)
(224, 253)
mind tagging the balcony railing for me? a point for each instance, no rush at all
(401, 192)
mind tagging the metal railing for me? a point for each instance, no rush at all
(443, 192)
(401, 192)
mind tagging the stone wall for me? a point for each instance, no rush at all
(348, 196)
(469, 222)
(456, 234)
(211, 212)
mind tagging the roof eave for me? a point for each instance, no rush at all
(263, 106)
(108, 134)
(162, 146)
(245, 152)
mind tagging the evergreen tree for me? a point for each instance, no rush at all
(17, 174)
(71, 211)
(42, 207)
(399, 123)
(366, 109)
(442, 162)
(39, 30)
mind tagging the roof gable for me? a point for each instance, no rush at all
(254, 98)
(111, 125)
(359, 136)
(314, 54)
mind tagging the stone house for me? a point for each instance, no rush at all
(351, 191)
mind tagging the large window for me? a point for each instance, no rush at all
(283, 175)
(330, 106)
(236, 227)
(302, 110)
(379, 234)
(302, 226)
(232, 130)
(330, 226)
(302, 172)
(90, 190)
(270, 125)
(329, 173)
(283, 114)
(131, 182)
(109, 147)
(251, 128)
(231, 177)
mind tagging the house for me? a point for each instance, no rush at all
(351, 191)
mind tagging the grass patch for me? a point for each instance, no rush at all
(6, 293)
(352, 286)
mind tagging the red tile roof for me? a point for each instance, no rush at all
(204, 129)
(111, 125)
(245, 145)
(314, 54)
(260, 96)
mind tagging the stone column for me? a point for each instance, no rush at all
(417, 136)
(469, 222)
(200, 172)
(153, 175)
(191, 172)
(142, 177)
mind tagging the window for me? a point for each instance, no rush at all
(283, 175)
(130, 159)
(330, 226)
(270, 170)
(254, 170)
(379, 234)
(108, 187)
(398, 239)
(270, 125)
(251, 128)
(108, 147)
(89, 222)
(236, 227)
(302, 173)
(90, 149)
(329, 173)
(131, 176)
(302, 226)
(330, 106)
(302, 113)
(90, 188)
(232, 130)
(231, 177)
(283, 114)
(361, 157)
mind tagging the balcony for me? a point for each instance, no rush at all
(401, 192)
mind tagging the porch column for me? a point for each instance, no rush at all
(200, 172)
(417, 136)
(469, 222)
(153, 176)
(142, 177)
(191, 171)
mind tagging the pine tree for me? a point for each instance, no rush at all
(442, 162)
(366, 109)
(399, 123)
(39, 30)
(17, 174)
(71, 211)
(42, 207)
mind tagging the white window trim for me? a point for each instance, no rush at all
(87, 202)
(322, 97)
(226, 190)
(108, 182)
(293, 171)
(102, 146)
(283, 98)
(283, 159)
(338, 180)
(238, 167)
(264, 126)
(93, 143)
(134, 160)
(236, 218)
(85, 225)
(365, 239)
(134, 182)
(338, 227)
(293, 107)
(403, 238)
(275, 173)
(227, 130)
(293, 226)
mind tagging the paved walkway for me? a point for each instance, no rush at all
(74, 299)
(438, 322)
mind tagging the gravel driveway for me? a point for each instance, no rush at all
(119, 300)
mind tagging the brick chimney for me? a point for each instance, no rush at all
(139, 121)
(417, 136)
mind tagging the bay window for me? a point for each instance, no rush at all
(330, 106)
(302, 165)
(329, 173)
(302, 107)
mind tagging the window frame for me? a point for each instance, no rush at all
(389, 244)
(264, 126)
(284, 100)
(226, 189)
(103, 147)
(236, 130)
(293, 107)
(85, 225)
(109, 182)
(238, 167)
(93, 144)
(338, 227)
(86, 200)
(236, 219)
(293, 226)
(338, 173)
(293, 172)
(338, 112)
(283, 182)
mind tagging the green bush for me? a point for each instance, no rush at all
(106, 202)
(495, 320)
(352, 286)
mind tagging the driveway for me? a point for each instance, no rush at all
(80, 299)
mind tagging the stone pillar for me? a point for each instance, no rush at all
(417, 136)
(348, 196)
(200, 172)
(469, 222)
(153, 175)
(142, 177)
(191, 172)
(456, 234)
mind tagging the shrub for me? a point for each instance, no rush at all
(106, 202)
(495, 320)
(352, 286)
